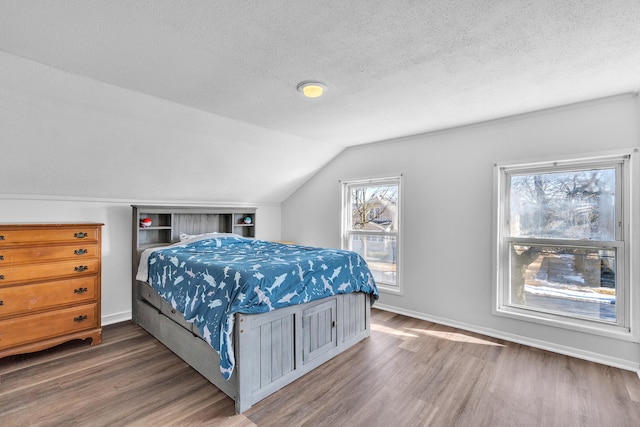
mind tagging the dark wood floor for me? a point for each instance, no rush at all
(409, 373)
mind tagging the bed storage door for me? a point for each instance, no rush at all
(319, 330)
(266, 343)
(352, 316)
(272, 347)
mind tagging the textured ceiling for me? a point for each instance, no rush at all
(393, 68)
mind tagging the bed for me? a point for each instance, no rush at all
(249, 315)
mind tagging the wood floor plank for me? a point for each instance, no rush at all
(632, 384)
(408, 373)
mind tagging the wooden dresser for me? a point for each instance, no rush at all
(49, 285)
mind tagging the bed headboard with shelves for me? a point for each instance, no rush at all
(167, 222)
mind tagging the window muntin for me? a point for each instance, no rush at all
(371, 226)
(563, 243)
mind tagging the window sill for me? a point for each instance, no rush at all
(578, 325)
(395, 290)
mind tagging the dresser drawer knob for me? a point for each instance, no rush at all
(1, 276)
(80, 251)
(80, 290)
(1, 257)
(80, 235)
(1, 302)
(81, 268)
(80, 318)
(1, 237)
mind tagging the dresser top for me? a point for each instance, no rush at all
(47, 224)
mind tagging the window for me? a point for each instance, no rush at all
(370, 226)
(563, 243)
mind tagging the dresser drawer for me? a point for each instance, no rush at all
(21, 273)
(22, 299)
(45, 253)
(24, 235)
(26, 329)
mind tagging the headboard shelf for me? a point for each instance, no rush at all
(166, 223)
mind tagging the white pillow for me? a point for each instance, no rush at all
(188, 238)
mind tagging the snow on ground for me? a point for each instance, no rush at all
(574, 293)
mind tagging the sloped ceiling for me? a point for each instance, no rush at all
(393, 68)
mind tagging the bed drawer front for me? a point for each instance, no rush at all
(47, 253)
(27, 235)
(46, 270)
(152, 297)
(26, 329)
(26, 299)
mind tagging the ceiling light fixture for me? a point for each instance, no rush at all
(311, 89)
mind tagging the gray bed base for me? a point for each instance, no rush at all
(271, 349)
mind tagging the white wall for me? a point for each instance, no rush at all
(62, 134)
(447, 213)
(74, 149)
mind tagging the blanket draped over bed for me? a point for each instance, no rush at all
(211, 279)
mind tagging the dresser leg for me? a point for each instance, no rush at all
(96, 338)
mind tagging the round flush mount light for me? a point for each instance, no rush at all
(311, 89)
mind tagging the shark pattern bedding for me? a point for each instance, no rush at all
(210, 278)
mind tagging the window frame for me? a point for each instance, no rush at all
(346, 230)
(626, 166)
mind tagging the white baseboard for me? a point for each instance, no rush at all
(615, 362)
(116, 318)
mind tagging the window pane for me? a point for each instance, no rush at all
(380, 254)
(374, 208)
(575, 282)
(571, 205)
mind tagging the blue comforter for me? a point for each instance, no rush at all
(210, 280)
